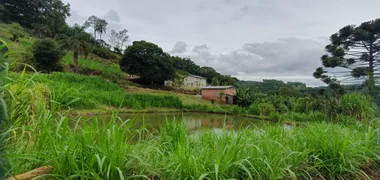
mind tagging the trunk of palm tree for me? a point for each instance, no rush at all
(76, 54)
(94, 33)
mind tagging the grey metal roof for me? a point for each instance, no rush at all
(217, 87)
(197, 76)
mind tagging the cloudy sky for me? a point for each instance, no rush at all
(248, 39)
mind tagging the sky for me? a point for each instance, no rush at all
(247, 39)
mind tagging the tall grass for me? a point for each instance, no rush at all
(87, 92)
(103, 66)
(92, 149)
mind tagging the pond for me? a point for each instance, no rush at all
(193, 121)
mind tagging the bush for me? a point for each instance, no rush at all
(17, 31)
(265, 109)
(47, 55)
(212, 101)
(104, 53)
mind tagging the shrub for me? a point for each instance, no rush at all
(104, 53)
(265, 109)
(212, 101)
(47, 55)
(17, 31)
(357, 105)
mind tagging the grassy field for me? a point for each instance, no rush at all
(105, 66)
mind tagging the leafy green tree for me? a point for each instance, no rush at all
(47, 55)
(99, 25)
(53, 20)
(119, 39)
(185, 64)
(288, 90)
(356, 49)
(246, 96)
(46, 15)
(148, 61)
(76, 40)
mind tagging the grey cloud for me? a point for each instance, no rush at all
(201, 48)
(112, 15)
(179, 47)
(286, 58)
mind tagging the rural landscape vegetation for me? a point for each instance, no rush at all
(57, 79)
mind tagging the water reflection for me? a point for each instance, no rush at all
(193, 121)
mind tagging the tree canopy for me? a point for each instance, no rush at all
(148, 61)
(47, 55)
(47, 17)
(355, 49)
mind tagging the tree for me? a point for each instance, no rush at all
(47, 55)
(99, 25)
(119, 39)
(356, 49)
(49, 15)
(53, 19)
(76, 40)
(246, 96)
(148, 61)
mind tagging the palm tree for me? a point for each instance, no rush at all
(76, 40)
(101, 27)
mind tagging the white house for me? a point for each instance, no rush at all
(190, 81)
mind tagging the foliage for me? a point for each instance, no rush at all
(358, 106)
(262, 109)
(212, 101)
(47, 55)
(119, 39)
(17, 31)
(245, 96)
(3, 74)
(103, 52)
(99, 25)
(220, 98)
(187, 65)
(354, 48)
(148, 61)
(106, 67)
(78, 91)
(45, 16)
(76, 40)
(90, 149)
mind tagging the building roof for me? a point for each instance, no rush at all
(217, 87)
(200, 77)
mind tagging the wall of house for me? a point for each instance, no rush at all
(194, 82)
(214, 94)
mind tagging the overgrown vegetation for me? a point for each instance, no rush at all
(47, 55)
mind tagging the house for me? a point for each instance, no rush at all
(190, 81)
(225, 94)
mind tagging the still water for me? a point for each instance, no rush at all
(193, 121)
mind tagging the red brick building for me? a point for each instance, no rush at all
(219, 93)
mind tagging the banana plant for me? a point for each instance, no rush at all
(3, 74)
